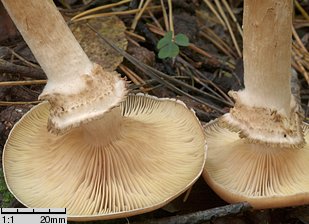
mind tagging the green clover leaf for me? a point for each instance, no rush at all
(165, 40)
(182, 40)
(169, 47)
(170, 50)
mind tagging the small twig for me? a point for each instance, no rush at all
(196, 64)
(301, 67)
(170, 17)
(299, 51)
(228, 27)
(300, 57)
(23, 59)
(296, 67)
(203, 216)
(300, 23)
(99, 8)
(214, 11)
(127, 12)
(218, 45)
(156, 30)
(133, 76)
(220, 41)
(232, 16)
(302, 11)
(136, 88)
(187, 194)
(155, 20)
(132, 41)
(298, 40)
(65, 4)
(139, 37)
(141, 2)
(23, 83)
(77, 9)
(139, 14)
(229, 102)
(8, 67)
(199, 50)
(167, 27)
(8, 103)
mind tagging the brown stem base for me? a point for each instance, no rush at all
(265, 125)
(103, 91)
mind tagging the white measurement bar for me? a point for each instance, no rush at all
(33, 215)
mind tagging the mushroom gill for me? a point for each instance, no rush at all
(264, 175)
(140, 156)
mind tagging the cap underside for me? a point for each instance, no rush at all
(155, 152)
(265, 176)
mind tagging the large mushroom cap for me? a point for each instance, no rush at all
(136, 159)
(263, 175)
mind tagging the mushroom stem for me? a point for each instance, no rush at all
(265, 111)
(77, 89)
(43, 28)
(268, 64)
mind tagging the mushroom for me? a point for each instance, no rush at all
(258, 152)
(77, 89)
(137, 158)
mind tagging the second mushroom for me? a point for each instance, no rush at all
(258, 152)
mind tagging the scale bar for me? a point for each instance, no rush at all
(32, 212)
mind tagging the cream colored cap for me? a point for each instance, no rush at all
(139, 157)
